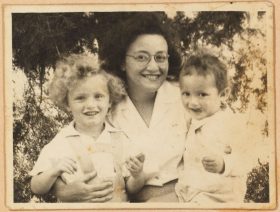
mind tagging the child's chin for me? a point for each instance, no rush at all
(197, 117)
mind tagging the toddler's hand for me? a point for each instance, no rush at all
(135, 164)
(213, 163)
(67, 165)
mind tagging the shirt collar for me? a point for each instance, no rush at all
(196, 124)
(167, 93)
(70, 130)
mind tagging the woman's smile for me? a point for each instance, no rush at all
(148, 75)
(152, 77)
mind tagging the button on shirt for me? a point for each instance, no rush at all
(163, 141)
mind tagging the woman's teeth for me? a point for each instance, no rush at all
(151, 77)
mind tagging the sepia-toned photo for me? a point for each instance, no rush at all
(140, 106)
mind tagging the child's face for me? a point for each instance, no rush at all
(89, 102)
(200, 95)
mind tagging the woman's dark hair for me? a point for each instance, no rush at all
(115, 43)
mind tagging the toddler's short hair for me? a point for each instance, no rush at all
(204, 64)
(69, 70)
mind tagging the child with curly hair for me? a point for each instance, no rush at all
(89, 142)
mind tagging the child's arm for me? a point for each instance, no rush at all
(42, 183)
(138, 178)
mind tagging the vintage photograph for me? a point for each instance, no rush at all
(140, 106)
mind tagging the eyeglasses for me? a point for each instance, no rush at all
(144, 57)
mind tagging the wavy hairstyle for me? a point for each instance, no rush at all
(116, 42)
(75, 67)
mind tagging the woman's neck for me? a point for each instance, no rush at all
(144, 103)
(141, 96)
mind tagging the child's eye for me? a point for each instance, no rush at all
(79, 98)
(185, 94)
(203, 94)
(99, 96)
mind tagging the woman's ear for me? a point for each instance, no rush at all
(110, 106)
(123, 67)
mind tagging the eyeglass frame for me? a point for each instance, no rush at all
(150, 57)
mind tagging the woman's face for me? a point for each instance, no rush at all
(146, 63)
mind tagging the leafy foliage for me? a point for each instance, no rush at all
(258, 184)
(215, 28)
(39, 39)
(34, 125)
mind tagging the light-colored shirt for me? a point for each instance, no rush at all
(223, 134)
(60, 147)
(162, 141)
(107, 154)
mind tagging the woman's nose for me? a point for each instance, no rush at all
(152, 64)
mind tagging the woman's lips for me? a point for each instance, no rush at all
(152, 77)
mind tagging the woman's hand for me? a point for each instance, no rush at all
(80, 191)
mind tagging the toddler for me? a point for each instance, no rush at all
(214, 158)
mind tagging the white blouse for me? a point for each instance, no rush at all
(163, 141)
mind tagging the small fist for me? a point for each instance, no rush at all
(67, 165)
(213, 163)
(227, 149)
(135, 164)
(141, 157)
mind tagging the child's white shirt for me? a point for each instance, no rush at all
(61, 147)
(213, 135)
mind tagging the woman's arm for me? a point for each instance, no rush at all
(80, 191)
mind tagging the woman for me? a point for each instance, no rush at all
(140, 52)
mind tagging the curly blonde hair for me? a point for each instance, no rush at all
(75, 67)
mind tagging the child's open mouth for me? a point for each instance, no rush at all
(195, 110)
(91, 113)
